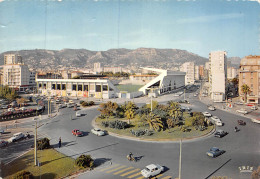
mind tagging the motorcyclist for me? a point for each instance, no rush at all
(236, 129)
(130, 155)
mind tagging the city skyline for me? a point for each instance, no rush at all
(196, 26)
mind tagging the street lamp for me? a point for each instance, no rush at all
(35, 143)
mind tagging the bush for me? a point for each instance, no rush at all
(23, 175)
(84, 161)
(85, 103)
(80, 102)
(91, 103)
(43, 143)
(141, 132)
(115, 124)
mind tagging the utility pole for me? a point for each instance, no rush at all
(184, 94)
(180, 160)
(35, 144)
(151, 103)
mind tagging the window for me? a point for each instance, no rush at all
(243, 75)
(98, 88)
(85, 87)
(105, 88)
(63, 86)
(58, 86)
(53, 86)
(79, 87)
(74, 87)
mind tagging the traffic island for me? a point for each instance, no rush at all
(52, 164)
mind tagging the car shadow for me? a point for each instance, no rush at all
(100, 161)
(85, 133)
(138, 158)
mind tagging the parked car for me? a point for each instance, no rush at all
(3, 143)
(183, 101)
(22, 108)
(4, 106)
(77, 133)
(254, 107)
(98, 132)
(16, 137)
(195, 95)
(206, 114)
(204, 95)
(10, 109)
(215, 118)
(243, 111)
(152, 170)
(2, 131)
(70, 105)
(239, 103)
(220, 133)
(212, 108)
(71, 101)
(214, 152)
(241, 122)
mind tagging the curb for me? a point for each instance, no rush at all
(156, 141)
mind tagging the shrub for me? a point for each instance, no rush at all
(80, 102)
(43, 143)
(91, 103)
(23, 175)
(115, 124)
(85, 103)
(84, 161)
(141, 132)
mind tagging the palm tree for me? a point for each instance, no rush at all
(130, 110)
(154, 121)
(245, 89)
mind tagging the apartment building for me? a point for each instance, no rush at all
(231, 73)
(218, 75)
(196, 72)
(189, 68)
(249, 74)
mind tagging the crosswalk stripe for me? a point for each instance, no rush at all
(115, 169)
(121, 171)
(134, 175)
(107, 168)
(167, 177)
(140, 177)
(157, 176)
(132, 171)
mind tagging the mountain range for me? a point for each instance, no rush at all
(79, 58)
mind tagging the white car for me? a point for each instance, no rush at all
(78, 114)
(97, 132)
(256, 120)
(23, 108)
(206, 114)
(212, 108)
(152, 170)
(16, 137)
(218, 123)
(254, 107)
(243, 111)
(215, 118)
(10, 109)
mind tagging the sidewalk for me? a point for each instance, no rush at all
(222, 106)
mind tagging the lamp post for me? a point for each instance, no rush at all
(180, 160)
(151, 103)
(35, 144)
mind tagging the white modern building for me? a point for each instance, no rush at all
(167, 81)
(197, 72)
(231, 73)
(218, 75)
(92, 87)
(189, 69)
(15, 73)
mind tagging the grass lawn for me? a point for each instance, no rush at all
(53, 165)
(169, 134)
(129, 87)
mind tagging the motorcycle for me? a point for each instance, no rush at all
(131, 158)
(236, 129)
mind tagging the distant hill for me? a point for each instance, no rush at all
(158, 58)
(235, 61)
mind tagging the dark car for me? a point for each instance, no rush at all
(241, 122)
(77, 133)
(214, 152)
(183, 101)
(220, 133)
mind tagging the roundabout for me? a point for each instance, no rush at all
(109, 152)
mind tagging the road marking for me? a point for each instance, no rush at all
(121, 171)
(167, 177)
(130, 172)
(107, 168)
(110, 171)
(134, 175)
(157, 176)
(140, 177)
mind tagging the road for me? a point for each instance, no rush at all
(109, 152)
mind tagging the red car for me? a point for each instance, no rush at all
(77, 132)
(241, 122)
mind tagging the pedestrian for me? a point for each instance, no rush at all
(59, 142)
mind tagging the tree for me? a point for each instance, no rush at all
(130, 111)
(108, 109)
(256, 173)
(171, 122)
(20, 101)
(234, 81)
(245, 89)
(84, 161)
(154, 121)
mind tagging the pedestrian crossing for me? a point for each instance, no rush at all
(129, 172)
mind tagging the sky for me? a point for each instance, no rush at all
(198, 26)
